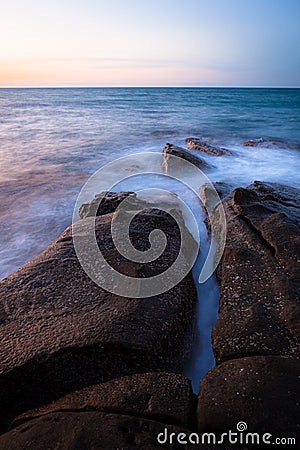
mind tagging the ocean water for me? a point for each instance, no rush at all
(52, 140)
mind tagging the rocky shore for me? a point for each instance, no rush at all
(83, 368)
(256, 337)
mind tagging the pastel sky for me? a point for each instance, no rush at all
(150, 43)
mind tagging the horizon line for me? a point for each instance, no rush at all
(149, 87)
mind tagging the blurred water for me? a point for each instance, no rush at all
(51, 140)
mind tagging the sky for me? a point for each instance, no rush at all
(149, 43)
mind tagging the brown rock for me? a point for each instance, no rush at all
(62, 332)
(88, 430)
(201, 145)
(107, 202)
(104, 203)
(259, 300)
(166, 397)
(261, 391)
(180, 152)
(252, 142)
(92, 430)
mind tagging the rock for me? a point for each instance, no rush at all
(253, 142)
(259, 300)
(208, 196)
(282, 194)
(88, 430)
(109, 203)
(166, 397)
(223, 188)
(62, 332)
(180, 152)
(256, 339)
(262, 391)
(201, 145)
(269, 143)
(213, 209)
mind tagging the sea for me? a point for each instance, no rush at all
(53, 139)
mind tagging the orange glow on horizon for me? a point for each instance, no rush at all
(49, 73)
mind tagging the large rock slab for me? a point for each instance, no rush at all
(61, 332)
(88, 430)
(201, 145)
(259, 301)
(173, 150)
(166, 397)
(262, 391)
(92, 430)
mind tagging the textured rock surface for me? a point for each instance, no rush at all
(259, 305)
(256, 337)
(61, 332)
(262, 391)
(92, 430)
(87, 431)
(201, 145)
(105, 203)
(180, 152)
(166, 397)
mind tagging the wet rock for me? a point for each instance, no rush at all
(253, 142)
(208, 195)
(262, 391)
(180, 152)
(269, 143)
(166, 397)
(259, 300)
(62, 332)
(201, 145)
(105, 203)
(223, 188)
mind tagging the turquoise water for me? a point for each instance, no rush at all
(52, 140)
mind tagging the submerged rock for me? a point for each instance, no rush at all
(252, 142)
(269, 143)
(202, 146)
(61, 332)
